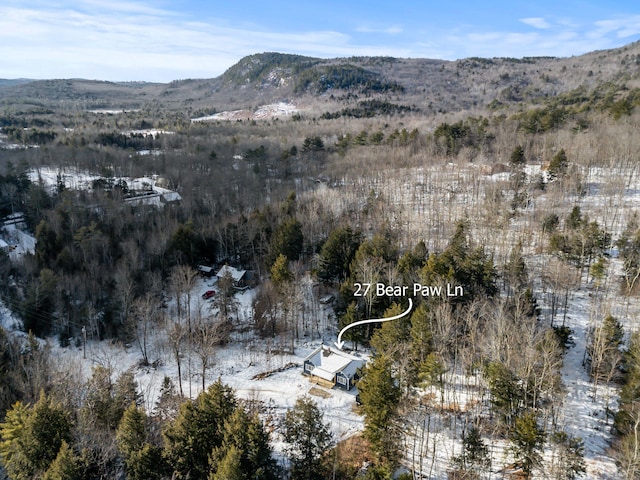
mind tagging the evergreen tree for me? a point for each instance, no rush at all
(142, 459)
(462, 265)
(474, 457)
(629, 247)
(432, 370)
(169, 401)
(32, 437)
(574, 220)
(515, 274)
(517, 159)
(230, 466)
(246, 433)
(527, 442)
(12, 430)
(604, 349)
(355, 335)
(630, 392)
(38, 307)
(66, 466)
(132, 431)
(309, 439)
(558, 165)
(421, 334)
(280, 273)
(391, 334)
(197, 430)
(569, 462)
(287, 240)
(410, 263)
(506, 391)
(379, 395)
(106, 400)
(337, 253)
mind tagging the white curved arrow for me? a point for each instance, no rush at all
(340, 343)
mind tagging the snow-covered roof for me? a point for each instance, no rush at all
(328, 361)
(235, 273)
(3, 244)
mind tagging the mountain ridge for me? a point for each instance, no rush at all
(428, 84)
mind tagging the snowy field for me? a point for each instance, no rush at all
(281, 109)
(149, 192)
(251, 366)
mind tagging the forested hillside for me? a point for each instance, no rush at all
(500, 196)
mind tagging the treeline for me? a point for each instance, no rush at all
(344, 77)
(99, 429)
(369, 109)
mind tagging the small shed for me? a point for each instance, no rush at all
(238, 276)
(206, 270)
(332, 367)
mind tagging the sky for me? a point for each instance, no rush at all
(162, 40)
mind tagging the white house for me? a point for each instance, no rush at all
(333, 367)
(238, 276)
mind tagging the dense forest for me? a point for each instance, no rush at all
(509, 218)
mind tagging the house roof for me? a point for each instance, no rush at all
(235, 273)
(328, 361)
(3, 244)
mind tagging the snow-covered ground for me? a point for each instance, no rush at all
(243, 363)
(281, 109)
(19, 239)
(77, 180)
(253, 367)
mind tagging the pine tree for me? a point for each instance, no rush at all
(230, 466)
(569, 462)
(337, 253)
(246, 433)
(280, 273)
(379, 395)
(169, 401)
(462, 265)
(309, 439)
(410, 263)
(66, 466)
(355, 335)
(393, 333)
(142, 460)
(32, 437)
(517, 158)
(12, 430)
(629, 246)
(432, 371)
(558, 165)
(287, 240)
(106, 400)
(475, 454)
(197, 430)
(527, 442)
(506, 391)
(131, 434)
(516, 276)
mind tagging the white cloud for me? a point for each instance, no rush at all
(623, 27)
(536, 22)
(391, 30)
(124, 40)
(133, 42)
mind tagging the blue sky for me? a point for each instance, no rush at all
(162, 40)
